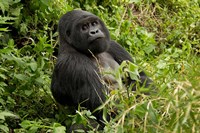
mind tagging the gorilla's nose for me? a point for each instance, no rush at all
(93, 32)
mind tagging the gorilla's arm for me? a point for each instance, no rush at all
(120, 54)
(75, 80)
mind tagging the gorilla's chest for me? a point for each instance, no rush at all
(105, 61)
(107, 66)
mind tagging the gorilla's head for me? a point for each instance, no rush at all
(83, 31)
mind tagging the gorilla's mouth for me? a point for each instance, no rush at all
(98, 38)
(95, 39)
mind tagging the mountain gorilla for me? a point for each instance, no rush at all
(85, 49)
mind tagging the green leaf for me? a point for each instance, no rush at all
(161, 64)
(28, 92)
(4, 128)
(3, 84)
(149, 49)
(33, 129)
(33, 66)
(6, 114)
(25, 124)
(134, 1)
(16, 11)
(3, 29)
(3, 76)
(60, 129)
(39, 80)
(20, 77)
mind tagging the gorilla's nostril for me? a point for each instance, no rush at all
(92, 32)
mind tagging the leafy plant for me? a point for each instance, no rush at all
(162, 37)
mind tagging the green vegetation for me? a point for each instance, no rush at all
(162, 36)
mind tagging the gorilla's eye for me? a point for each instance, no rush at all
(84, 27)
(94, 23)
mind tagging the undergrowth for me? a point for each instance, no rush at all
(163, 38)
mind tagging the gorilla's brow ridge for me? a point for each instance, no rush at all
(86, 18)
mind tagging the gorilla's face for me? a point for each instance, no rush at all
(86, 33)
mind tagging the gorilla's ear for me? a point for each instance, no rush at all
(68, 39)
(64, 35)
(67, 36)
(64, 29)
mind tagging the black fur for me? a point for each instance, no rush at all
(76, 79)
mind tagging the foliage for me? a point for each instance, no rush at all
(162, 37)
